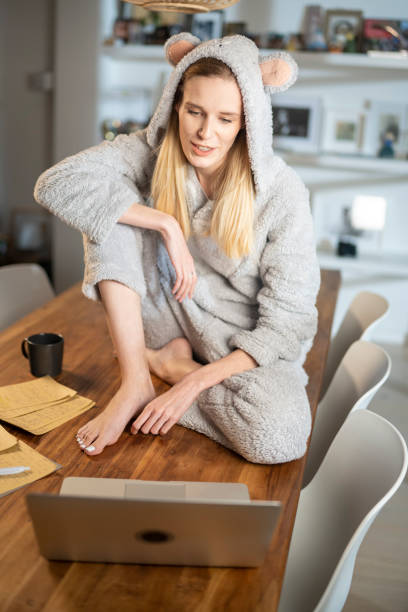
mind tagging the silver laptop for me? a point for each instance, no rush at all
(162, 523)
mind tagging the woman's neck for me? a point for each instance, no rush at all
(206, 183)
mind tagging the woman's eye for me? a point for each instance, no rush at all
(226, 120)
(193, 112)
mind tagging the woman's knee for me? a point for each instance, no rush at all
(119, 258)
(265, 415)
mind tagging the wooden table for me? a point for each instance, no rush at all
(29, 582)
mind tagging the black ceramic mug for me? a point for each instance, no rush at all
(44, 352)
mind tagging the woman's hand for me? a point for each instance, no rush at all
(181, 259)
(159, 416)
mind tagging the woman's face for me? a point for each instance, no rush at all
(210, 117)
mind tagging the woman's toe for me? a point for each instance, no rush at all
(95, 448)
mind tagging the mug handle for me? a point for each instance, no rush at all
(23, 348)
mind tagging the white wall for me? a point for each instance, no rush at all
(77, 46)
(2, 141)
(26, 34)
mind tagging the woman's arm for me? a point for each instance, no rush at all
(91, 190)
(101, 186)
(164, 411)
(139, 215)
(290, 276)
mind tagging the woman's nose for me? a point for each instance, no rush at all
(205, 129)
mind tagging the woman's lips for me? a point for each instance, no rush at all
(197, 151)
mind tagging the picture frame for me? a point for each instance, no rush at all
(343, 130)
(296, 123)
(343, 30)
(30, 230)
(376, 34)
(384, 117)
(208, 25)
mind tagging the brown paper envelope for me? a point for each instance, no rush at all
(33, 392)
(22, 454)
(6, 439)
(48, 418)
(15, 411)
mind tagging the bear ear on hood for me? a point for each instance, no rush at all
(279, 71)
(178, 45)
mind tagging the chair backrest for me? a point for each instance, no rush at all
(362, 371)
(364, 467)
(23, 288)
(363, 315)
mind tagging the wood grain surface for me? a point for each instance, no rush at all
(28, 582)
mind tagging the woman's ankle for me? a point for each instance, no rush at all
(136, 383)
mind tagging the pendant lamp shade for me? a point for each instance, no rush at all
(189, 6)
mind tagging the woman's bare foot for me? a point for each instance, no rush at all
(173, 361)
(106, 428)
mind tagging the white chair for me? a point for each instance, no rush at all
(23, 288)
(364, 467)
(363, 315)
(362, 371)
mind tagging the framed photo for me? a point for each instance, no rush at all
(385, 129)
(30, 230)
(296, 123)
(378, 35)
(342, 131)
(208, 25)
(343, 30)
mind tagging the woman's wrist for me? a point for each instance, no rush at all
(214, 373)
(139, 215)
(167, 224)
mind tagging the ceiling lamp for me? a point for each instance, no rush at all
(190, 6)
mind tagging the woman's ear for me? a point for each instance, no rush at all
(179, 45)
(279, 71)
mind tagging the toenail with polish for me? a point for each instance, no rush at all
(90, 448)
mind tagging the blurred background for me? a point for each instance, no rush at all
(75, 72)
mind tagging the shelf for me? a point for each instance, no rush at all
(349, 60)
(353, 163)
(390, 264)
(143, 53)
(306, 60)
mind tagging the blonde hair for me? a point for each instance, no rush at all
(234, 193)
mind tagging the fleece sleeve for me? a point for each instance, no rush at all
(92, 189)
(289, 270)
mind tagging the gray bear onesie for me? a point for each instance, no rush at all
(263, 303)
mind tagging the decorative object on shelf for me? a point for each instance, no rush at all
(343, 30)
(113, 127)
(385, 129)
(234, 27)
(138, 26)
(207, 25)
(313, 28)
(385, 35)
(368, 213)
(365, 218)
(189, 6)
(296, 123)
(347, 243)
(342, 130)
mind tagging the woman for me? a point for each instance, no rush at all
(199, 242)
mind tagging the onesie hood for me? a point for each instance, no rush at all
(258, 79)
